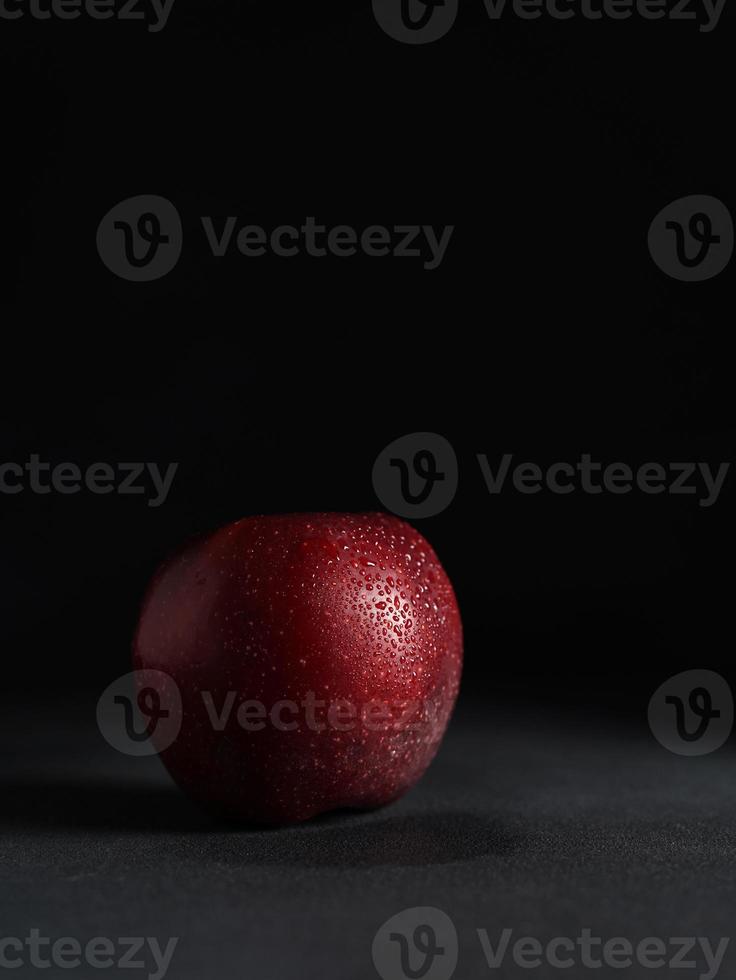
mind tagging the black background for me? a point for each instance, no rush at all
(547, 332)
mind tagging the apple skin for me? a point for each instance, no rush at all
(334, 608)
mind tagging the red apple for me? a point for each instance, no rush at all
(318, 658)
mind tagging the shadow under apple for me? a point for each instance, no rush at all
(399, 835)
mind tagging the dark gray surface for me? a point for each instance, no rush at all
(541, 823)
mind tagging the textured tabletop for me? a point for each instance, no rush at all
(544, 823)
